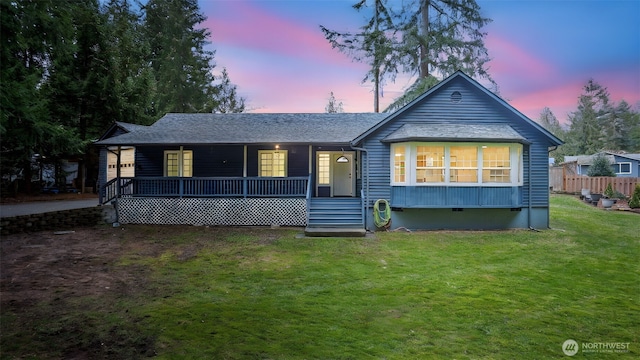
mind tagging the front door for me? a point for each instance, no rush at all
(343, 174)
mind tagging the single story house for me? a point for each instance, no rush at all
(457, 157)
(623, 165)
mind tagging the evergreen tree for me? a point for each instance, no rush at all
(600, 166)
(226, 99)
(30, 30)
(586, 135)
(131, 79)
(373, 44)
(549, 121)
(333, 106)
(181, 65)
(430, 39)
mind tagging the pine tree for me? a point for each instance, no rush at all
(30, 32)
(372, 44)
(333, 106)
(180, 63)
(600, 167)
(586, 135)
(226, 99)
(429, 39)
(131, 79)
(634, 202)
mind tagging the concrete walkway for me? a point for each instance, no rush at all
(38, 207)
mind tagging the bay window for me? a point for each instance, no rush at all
(429, 164)
(460, 164)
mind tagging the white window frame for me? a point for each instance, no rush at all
(277, 151)
(324, 175)
(515, 164)
(185, 169)
(619, 168)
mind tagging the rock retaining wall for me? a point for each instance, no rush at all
(57, 220)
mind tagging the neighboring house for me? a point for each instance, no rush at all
(457, 157)
(624, 165)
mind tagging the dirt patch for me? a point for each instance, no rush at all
(53, 285)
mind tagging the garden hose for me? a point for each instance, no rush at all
(382, 218)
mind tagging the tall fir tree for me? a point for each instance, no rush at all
(373, 44)
(181, 64)
(226, 98)
(428, 39)
(31, 30)
(585, 135)
(131, 79)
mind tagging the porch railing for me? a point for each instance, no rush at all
(206, 187)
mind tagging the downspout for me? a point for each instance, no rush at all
(549, 150)
(365, 179)
(530, 206)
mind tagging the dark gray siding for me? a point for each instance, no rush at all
(218, 161)
(476, 107)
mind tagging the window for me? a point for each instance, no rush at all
(272, 163)
(429, 164)
(178, 163)
(622, 168)
(496, 164)
(461, 164)
(399, 159)
(324, 168)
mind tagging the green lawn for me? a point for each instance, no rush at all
(446, 295)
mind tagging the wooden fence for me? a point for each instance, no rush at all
(597, 184)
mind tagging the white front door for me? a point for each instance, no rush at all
(343, 174)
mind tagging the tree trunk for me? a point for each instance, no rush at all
(424, 32)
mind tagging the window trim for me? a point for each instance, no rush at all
(618, 169)
(516, 163)
(279, 151)
(181, 152)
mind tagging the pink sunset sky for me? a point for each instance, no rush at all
(543, 53)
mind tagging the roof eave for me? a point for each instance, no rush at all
(456, 139)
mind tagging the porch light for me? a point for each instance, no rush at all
(277, 147)
(342, 159)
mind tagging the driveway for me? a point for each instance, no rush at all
(38, 207)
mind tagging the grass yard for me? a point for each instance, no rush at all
(209, 293)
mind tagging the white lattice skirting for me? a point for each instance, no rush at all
(227, 212)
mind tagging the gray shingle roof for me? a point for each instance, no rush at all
(246, 128)
(455, 132)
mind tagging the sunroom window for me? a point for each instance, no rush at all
(399, 164)
(460, 164)
(496, 164)
(429, 164)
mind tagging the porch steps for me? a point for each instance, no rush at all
(335, 217)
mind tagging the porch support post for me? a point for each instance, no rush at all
(118, 171)
(310, 159)
(244, 162)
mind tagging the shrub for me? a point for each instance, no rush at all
(600, 167)
(608, 192)
(635, 198)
